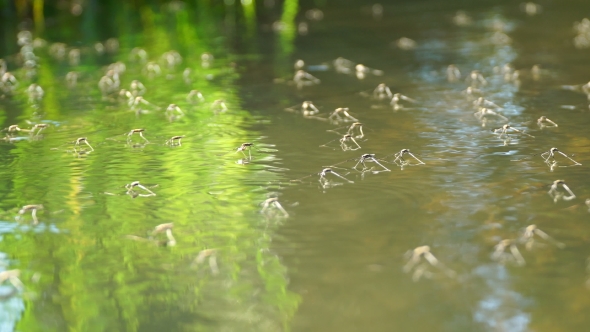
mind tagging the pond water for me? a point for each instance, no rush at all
(339, 261)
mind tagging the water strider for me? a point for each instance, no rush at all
(361, 71)
(323, 179)
(419, 260)
(504, 131)
(246, 147)
(528, 237)
(33, 208)
(347, 143)
(502, 256)
(544, 122)
(270, 205)
(355, 130)
(211, 255)
(549, 156)
(283, 275)
(195, 96)
(307, 109)
(362, 160)
(175, 141)
(400, 161)
(481, 102)
(551, 161)
(136, 88)
(131, 190)
(35, 93)
(12, 277)
(162, 228)
(382, 92)
(15, 129)
(476, 80)
(39, 127)
(482, 115)
(138, 131)
(453, 74)
(343, 66)
(219, 106)
(341, 115)
(397, 99)
(303, 79)
(557, 194)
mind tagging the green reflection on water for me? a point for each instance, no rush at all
(92, 278)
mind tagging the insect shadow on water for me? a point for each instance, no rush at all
(420, 259)
(347, 143)
(557, 194)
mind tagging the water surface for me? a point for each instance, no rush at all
(336, 263)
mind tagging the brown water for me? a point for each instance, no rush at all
(336, 264)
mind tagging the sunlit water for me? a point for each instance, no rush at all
(336, 263)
